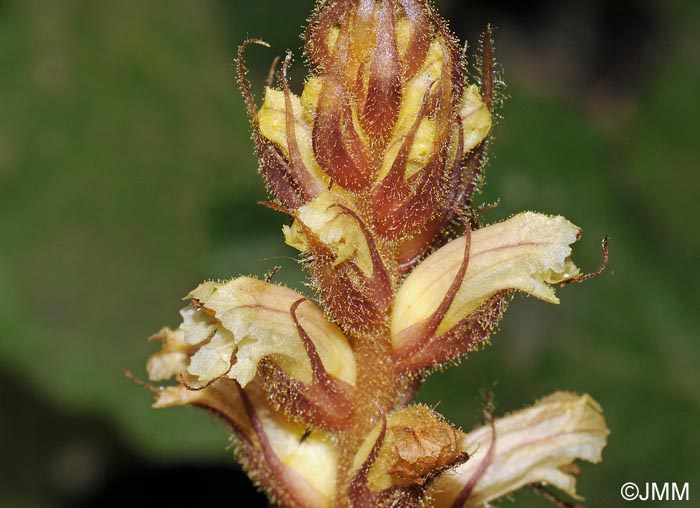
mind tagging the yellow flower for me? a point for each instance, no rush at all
(444, 308)
(255, 320)
(535, 445)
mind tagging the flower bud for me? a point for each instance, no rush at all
(339, 231)
(535, 445)
(454, 293)
(381, 129)
(348, 267)
(400, 456)
(383, 113)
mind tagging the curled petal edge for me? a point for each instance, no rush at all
(527, 252)
(536, 445)
(253, 320)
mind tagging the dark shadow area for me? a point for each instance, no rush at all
(63, 455)
(608, 46)
(78, 460)
(175, 485)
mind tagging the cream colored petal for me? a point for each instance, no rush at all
(423, 147)
(214, 359)
(403, 35)
(527, 252)
(335, 228)
(256, 316)
(535, 445)
(222, 397)
(430, 72)
(272, 120)
(196, 326)
(476, 118)
(173, 357)
(314, 458)
(309, 97)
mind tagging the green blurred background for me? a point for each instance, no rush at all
(127, 176)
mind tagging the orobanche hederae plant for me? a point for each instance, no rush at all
(375, 164)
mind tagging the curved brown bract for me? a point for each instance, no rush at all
(338, 147)
(279, 176)
(383, 97)
(358, 301)
(288, 180)
(325, 407)
(324, 403)
(466, 336)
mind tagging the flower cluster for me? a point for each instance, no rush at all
(375, 164)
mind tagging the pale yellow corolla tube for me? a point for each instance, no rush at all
(528, 252)
(536, 445)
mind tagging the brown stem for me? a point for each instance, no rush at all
(376, 394)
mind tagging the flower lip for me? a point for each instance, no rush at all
(535, 445)
(238, 323)
(527, 252)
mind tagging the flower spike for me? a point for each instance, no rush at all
(374, 164)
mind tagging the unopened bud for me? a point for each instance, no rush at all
(416, 445)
